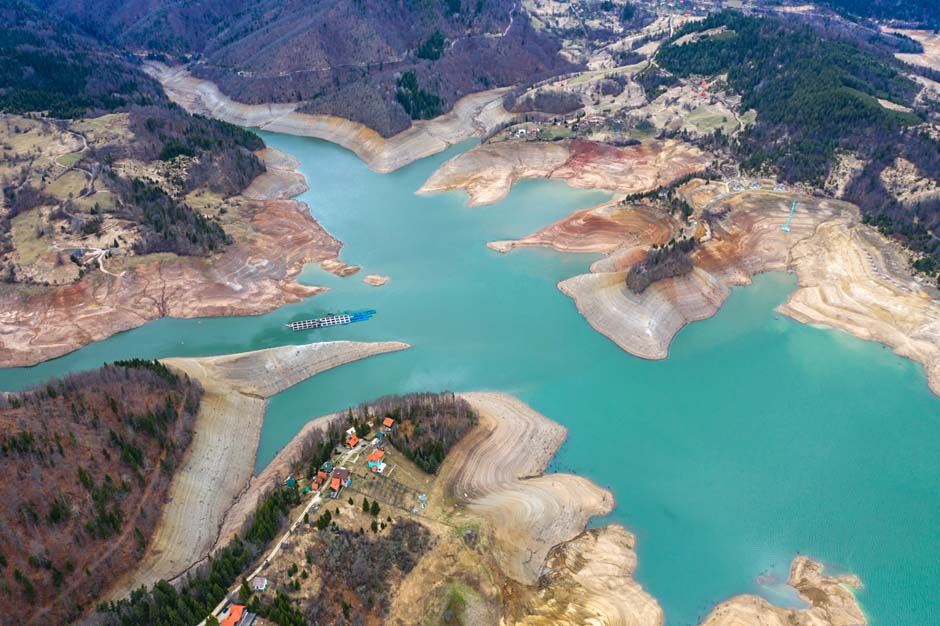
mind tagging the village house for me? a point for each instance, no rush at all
(259, 583)
(387, 423)
(374, 461)
(236, 615)
(319, 480)
(339, 480)
(352, 440)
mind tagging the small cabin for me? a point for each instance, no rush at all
(388, 423)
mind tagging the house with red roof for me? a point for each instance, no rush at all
(236, 615)
(374, 461)
(338, 481)
(319, 480)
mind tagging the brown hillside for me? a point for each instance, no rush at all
(86, 461)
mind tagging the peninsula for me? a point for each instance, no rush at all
(491, 538)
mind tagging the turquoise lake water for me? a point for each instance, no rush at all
(757, 439)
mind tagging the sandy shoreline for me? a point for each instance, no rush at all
(220, 461)
(569, 575)
(472, 116)
(274, 238)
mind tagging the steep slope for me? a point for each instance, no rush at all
(333, 53)
(87, 462)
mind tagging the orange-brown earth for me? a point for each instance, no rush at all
(487, 172)
(606, 228)
(274, 238)
(850, 277)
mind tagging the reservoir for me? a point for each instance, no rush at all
(757, 439)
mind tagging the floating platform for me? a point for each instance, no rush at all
(333, 319)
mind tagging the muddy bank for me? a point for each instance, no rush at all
(274, 238)
(487, 172)
(220, 461)
(472, 116)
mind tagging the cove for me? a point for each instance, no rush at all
(758, 438)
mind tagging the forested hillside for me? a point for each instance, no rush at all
(86, 461)
(332, 53)
(818, 96)
(924, 13)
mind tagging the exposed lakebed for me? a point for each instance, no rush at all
(756, 439)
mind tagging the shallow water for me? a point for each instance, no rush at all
(757, 439)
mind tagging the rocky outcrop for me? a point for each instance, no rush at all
(589, 580)
(375, 280)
